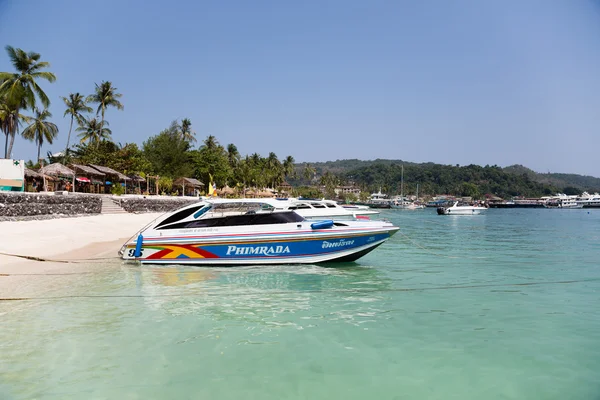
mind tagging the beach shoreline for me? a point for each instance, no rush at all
(61, 241)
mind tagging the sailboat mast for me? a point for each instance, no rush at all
(402, 184)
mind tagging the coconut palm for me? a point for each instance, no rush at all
(76, 105)
(309, 172)
(10, 119)
(186, 130)
(93, 131)
(233, 155)
(106, 96)
(288, 166)
(40, 129)
(20, 89)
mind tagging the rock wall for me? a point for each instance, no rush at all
(154, 204)
(31, 205)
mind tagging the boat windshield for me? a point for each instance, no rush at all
(249, 218)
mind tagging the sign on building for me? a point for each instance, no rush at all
(12, 175)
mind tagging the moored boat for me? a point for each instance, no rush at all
(456, 209)
(251, 231)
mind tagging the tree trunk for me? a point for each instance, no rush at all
(6, 146)
(68, 140)
(38, 156)
(14, 133)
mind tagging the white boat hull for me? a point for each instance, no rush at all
(170, 241)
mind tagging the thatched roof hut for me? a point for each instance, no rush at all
(109, 171)
(31, 174)
(225, 190)
(188, 182)
(265, 193)
(136, 178)
(85, 170)
(57, 169)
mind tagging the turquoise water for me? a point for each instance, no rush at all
(498, 306)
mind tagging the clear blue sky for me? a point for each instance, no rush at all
(452, 82)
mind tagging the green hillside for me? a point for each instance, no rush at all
(470, 180)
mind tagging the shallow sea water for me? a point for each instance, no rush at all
(498, 306)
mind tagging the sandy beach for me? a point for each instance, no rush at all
(71, 239)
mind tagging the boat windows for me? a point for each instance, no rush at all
(300, 206)
(330, 205)
(179, 215)
(239, 220)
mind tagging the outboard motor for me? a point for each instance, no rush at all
(441, 210)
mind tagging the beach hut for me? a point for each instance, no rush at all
(191, 184)
(111, 176)
(88, 180)
(34, 181)
(136, 179)
(59, 172)
(226, 191)
(266, 193)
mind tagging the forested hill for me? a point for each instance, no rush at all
(470, 180)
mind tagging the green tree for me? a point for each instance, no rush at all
(20, 89)
(10, 119)
(76, 105)
(106, 96)
(40, 129)
(186, 130)
(93, 131)
(309, 172)
(212, 160)
(168, 155)
(288, 167)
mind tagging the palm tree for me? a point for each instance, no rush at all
(20, 89)
(186, 130)
(9, 117)
(309, 172)
(288, 166)
(93, 131)
(76, 105)
(233, 155)
(106, 96)
(210, 143)
(41, 130)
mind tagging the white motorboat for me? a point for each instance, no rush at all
(251, 231)
(456, 209)
(323, 209)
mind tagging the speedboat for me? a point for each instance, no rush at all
(456, 209)
(251, 231)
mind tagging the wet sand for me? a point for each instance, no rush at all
(64, 242)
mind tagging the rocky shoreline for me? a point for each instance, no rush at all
(151, 204)
(17, 206)
(36, 205)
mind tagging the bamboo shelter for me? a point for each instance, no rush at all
(88, 179)
(226, 191)
(34, 181)
(191, 183)
(57, 170)
(109, 173)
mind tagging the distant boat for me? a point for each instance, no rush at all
(455, 209)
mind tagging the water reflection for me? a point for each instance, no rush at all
(272, 297)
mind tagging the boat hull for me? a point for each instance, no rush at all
(459, 211)
(285, 249)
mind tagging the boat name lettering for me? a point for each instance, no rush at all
(257, 250)
(341, 243)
